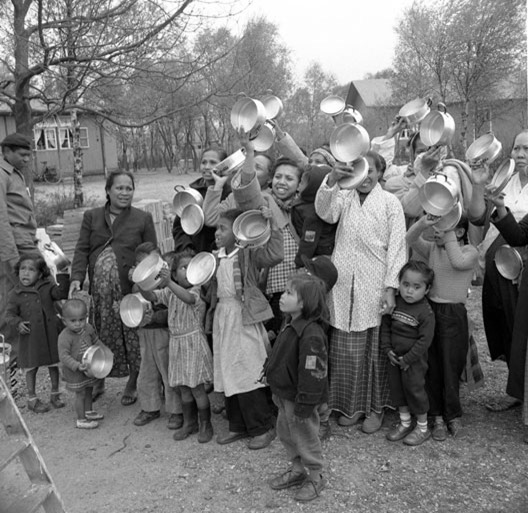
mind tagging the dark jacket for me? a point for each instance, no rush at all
(36, 305)
(204, 240)
(297, 368)
(316, 237)
(130, 228)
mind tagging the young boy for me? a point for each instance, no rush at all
(453, 262)
(406, 335)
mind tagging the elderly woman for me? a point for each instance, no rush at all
(369, 252)
(107, 240)
(499, 295)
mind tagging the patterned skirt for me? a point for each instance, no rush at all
(358, 372)
(106, 296)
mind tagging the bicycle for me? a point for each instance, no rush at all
(48, 174)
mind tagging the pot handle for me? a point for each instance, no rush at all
(442, 107)
(441, 174)
(179, 187)
(429, 101)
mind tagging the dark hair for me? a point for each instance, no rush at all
(221, 153)
(146, 247)
(231, 214)
(463, 223)
(178, 257)
(74, 304)
(271, 160)
(283, 161)
(418, 267)
(383, 163)
(111, 179)
(37, 259)
(311, 290)
(169, 257)
(376, 157)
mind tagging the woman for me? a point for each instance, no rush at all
(369, 252)
(107, 240)
(499, 295)
(203, 240)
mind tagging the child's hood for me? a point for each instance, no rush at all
(314, 176)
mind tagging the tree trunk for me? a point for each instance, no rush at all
(78, 196)
(464, 129)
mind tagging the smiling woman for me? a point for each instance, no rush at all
(107, 240)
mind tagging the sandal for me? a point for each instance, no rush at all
(129, 398)
(287, 479)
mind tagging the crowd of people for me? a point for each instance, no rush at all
(354, 305)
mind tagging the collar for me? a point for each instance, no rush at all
(299, 324)
(222, 253)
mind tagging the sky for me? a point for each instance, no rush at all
(349, 38)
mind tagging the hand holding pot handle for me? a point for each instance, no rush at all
(75, 286)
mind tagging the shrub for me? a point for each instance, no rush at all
(52, 207)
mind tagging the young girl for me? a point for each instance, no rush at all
(190, 359)
(74, 340)
(297, 374)
(240, 341)
(31, 312)
(405, 337)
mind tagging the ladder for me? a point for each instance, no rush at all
(42, 492)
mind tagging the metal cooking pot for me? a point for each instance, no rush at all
(415, 110)
(248, 114)
(231, 164)
(133, 309)
(349, 142)
(99, 360)
(185, 196)
(437, 128)
(265, 137)
(147, 273)
(251, 229)
(439, 194)
(273, 106)
(332, 105)
(201, 268)
(192, 219)
(503, 175)
(483, 150)
(509, 262)
(348, 115)
(358, 175)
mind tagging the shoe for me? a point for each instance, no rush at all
(56, 401)
(175, 421)
(144, 417)
(190, 421)
(37, 406)
(93, 415)
(230, 437)
(287, 480)
(325, 430)
(439, 430)
(87, 424)
(372, 423)
(205, 430)
(454, 426)
(262, 441)
(345, 421)
(398, 432)
(310, 490)
(128, 398)
(503, 404)
(417, 437)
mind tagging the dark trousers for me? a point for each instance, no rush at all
(407, 388)
(249, 412)
(447, 359)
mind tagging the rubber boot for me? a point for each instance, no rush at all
(206, 428)
(190, 421)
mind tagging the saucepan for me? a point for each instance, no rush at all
(251, 229)
(332, 105)
(201, 268)
(185, 196)
(231, 164)
(147, 272)
(273, 106)
(349, 142)
(192, 219)
(99, 360)
(133, 309)
(509, 262)
(440, 193)
(438, 127)
(503, 175)
(483, 150)
(445, 223)
(265, 137)
(357, 176)
(415, 110)
(348, 115)
(248, 114)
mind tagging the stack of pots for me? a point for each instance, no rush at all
(349, 141)
(251, 229)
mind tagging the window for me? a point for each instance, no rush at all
(46, 138)
(65, 138)
(84, 138)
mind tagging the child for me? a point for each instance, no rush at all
(240, 340)
(453, 263)
(31, 311)
(316, 237)
(297, 374)
(190, 359)
(153, 376)
(74, 340)
(405, 336)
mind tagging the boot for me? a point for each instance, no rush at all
(190, 421)
(206, 428)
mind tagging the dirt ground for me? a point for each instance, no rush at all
(123, 468)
